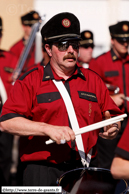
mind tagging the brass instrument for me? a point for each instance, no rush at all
(115, 90)
(24, 55)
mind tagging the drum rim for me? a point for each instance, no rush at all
(88, 168)
(94, 169)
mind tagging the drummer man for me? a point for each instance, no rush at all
(36, 111)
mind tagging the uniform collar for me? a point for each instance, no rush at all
(2, 53)
(114, 56)
(42, 64)
(49, 73)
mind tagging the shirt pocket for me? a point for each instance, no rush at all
(111, 73)
(49, 103)
(89, 106)
(112, 78)
(48, 97)
(87, 96)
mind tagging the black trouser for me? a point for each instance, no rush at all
(45, 174)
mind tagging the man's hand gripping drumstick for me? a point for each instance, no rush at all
(111, 129)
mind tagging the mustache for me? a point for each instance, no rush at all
(69, 56)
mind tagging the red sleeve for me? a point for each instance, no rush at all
(122, 148)
(104, 99)
(21, 97)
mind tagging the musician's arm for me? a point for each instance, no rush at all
(118, 99)
(120, 168)
(24, 127)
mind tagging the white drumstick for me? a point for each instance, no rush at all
(126, 98)
(96, 126)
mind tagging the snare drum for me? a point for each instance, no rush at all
(91, 181)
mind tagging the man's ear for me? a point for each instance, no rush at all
(48, 49)
(112, 41)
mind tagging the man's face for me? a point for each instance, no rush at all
(85, 54)
(64, 55)
(27, 31)
(120, 48)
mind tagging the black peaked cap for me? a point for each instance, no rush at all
(61, 26)
(120, 31)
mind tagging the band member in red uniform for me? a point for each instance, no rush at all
(85, 55)
(36, 111)
(27, 21)
(113, 67)
(7, 66)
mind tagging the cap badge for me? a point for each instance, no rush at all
(66, 23)
(125, 27)
(35, 16)
(87, 35)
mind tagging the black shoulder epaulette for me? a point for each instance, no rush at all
(28, 72)
(95, 73)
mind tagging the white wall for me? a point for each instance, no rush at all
(94, 15)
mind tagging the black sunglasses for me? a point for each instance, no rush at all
(122, 42)
(64, 45)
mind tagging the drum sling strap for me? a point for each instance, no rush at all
(74, 123)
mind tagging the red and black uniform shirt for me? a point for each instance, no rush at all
(7, 65)
(35, 97)
(114, 71)
(17, 50)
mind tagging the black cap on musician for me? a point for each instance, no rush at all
(87, 39)
(120, 31)
(30, 18)
(63, 26)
